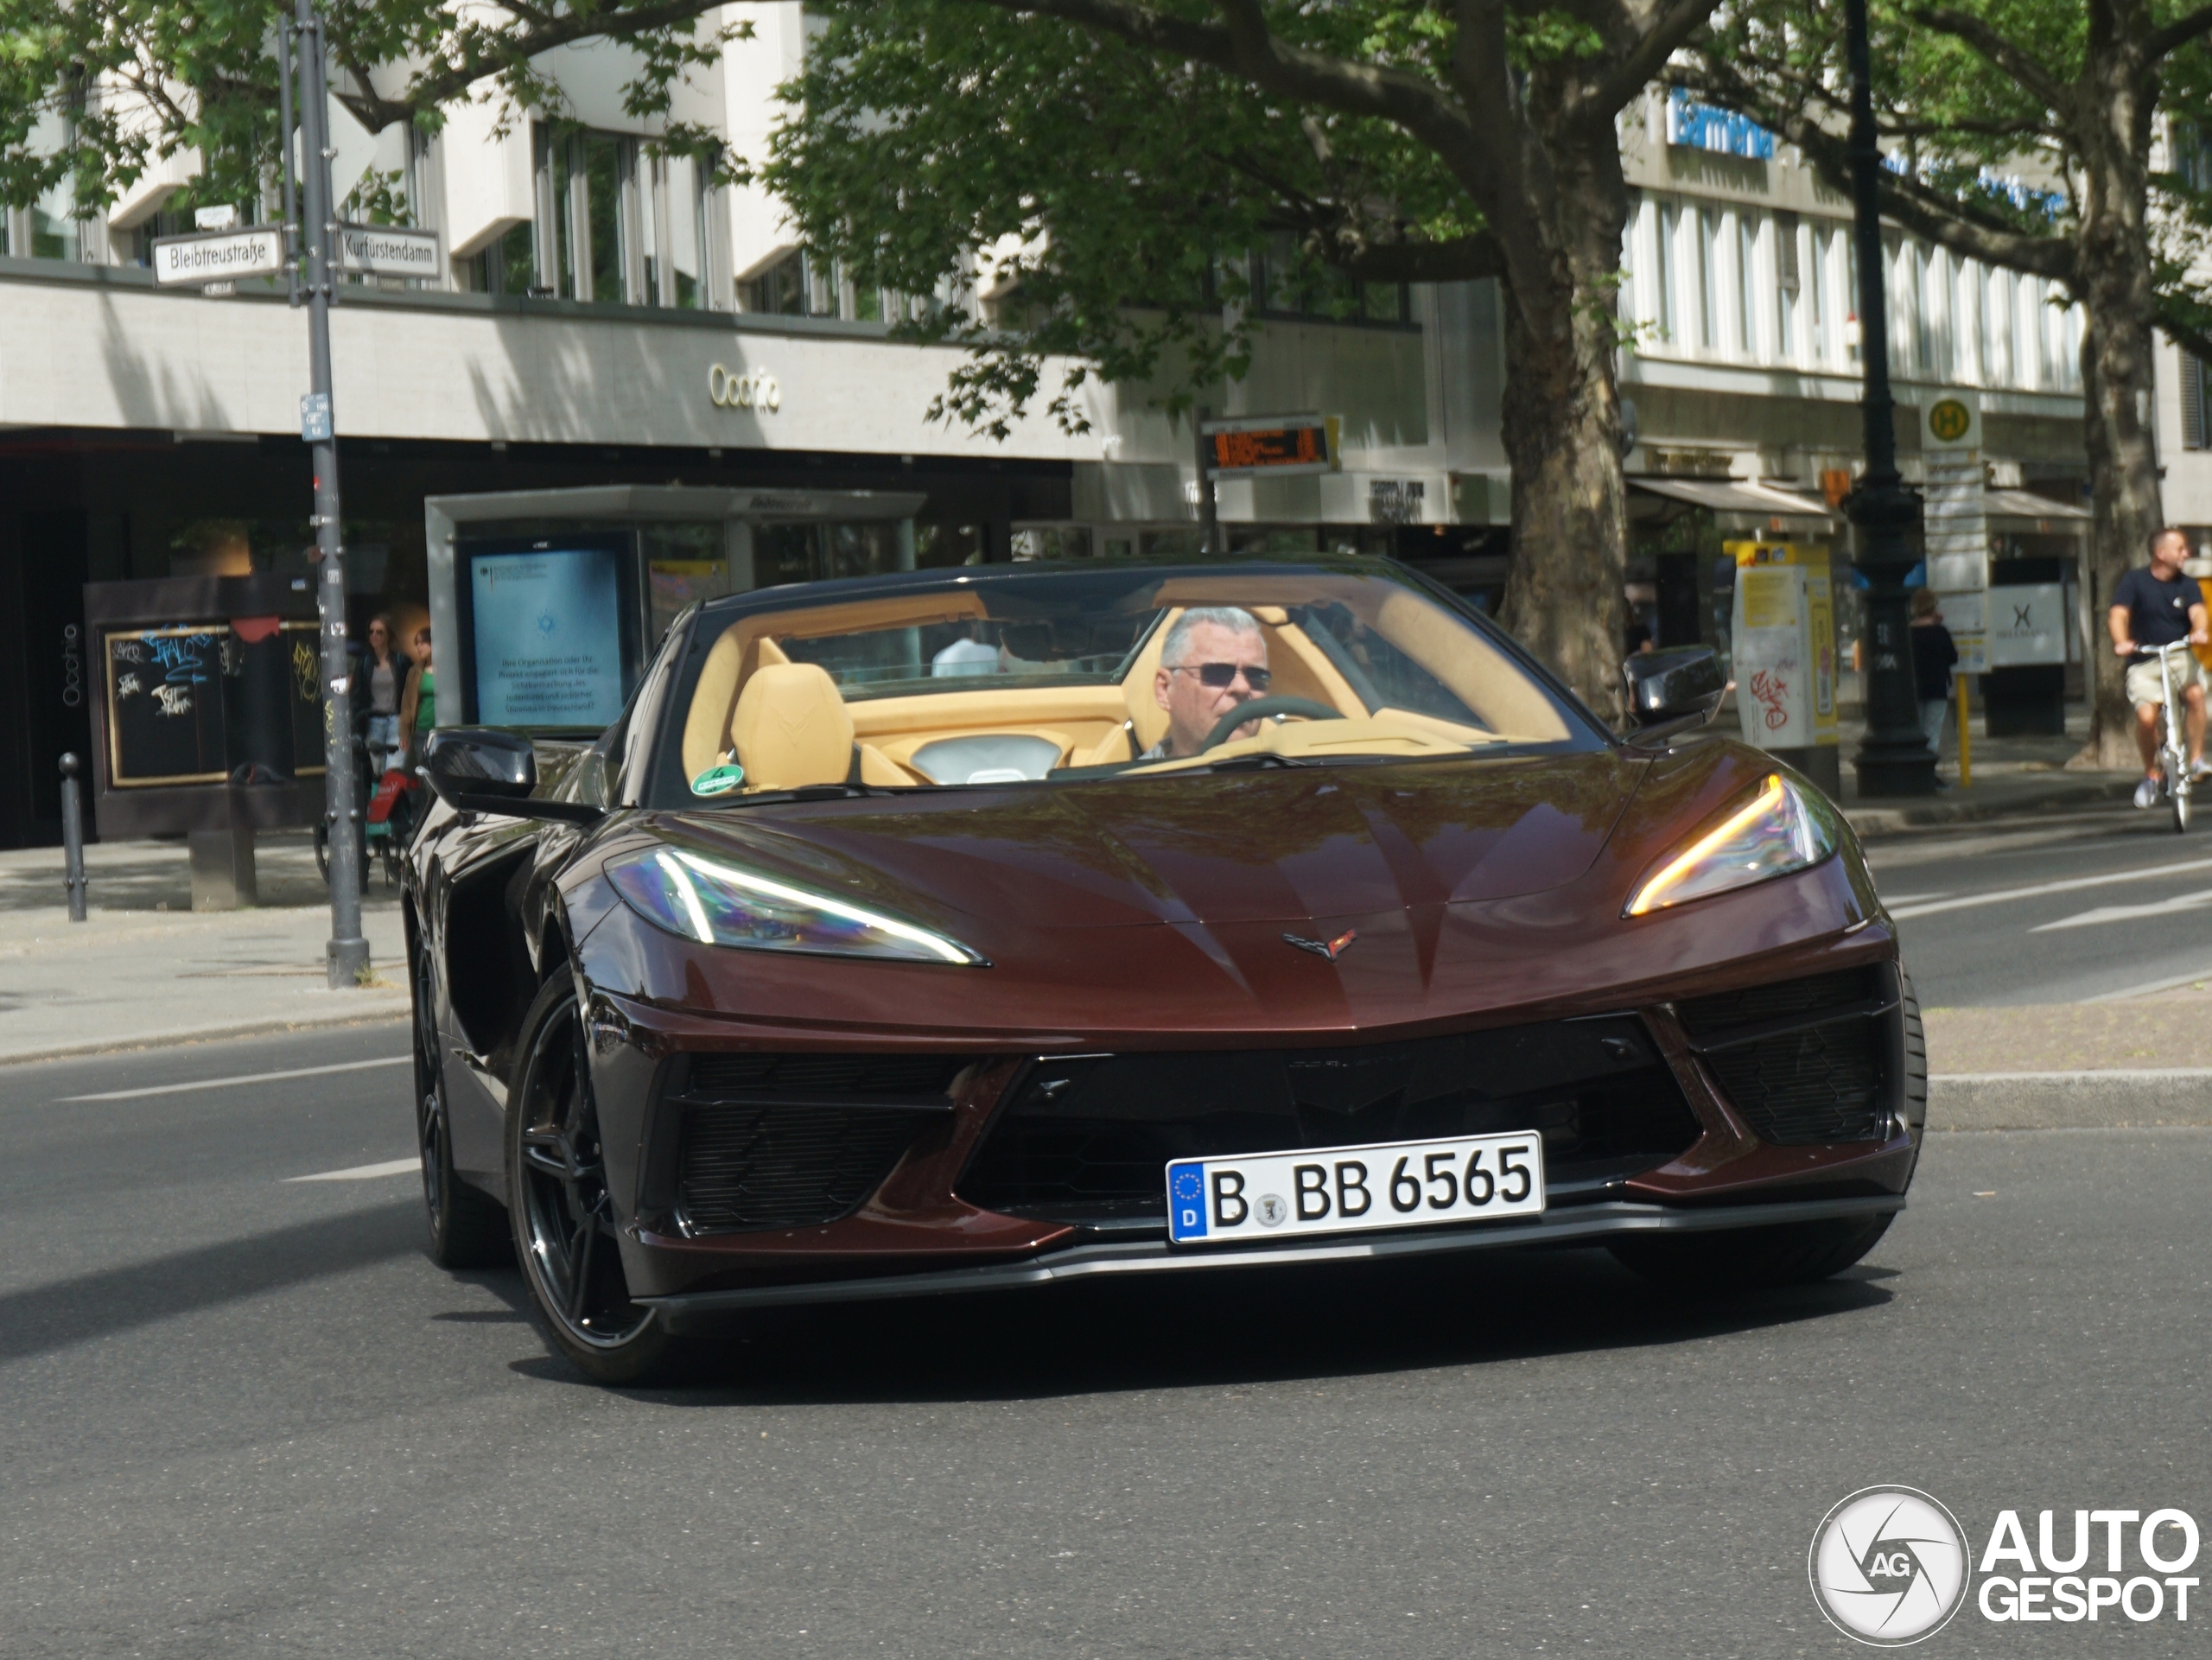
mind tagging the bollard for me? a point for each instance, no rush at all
(72, 839)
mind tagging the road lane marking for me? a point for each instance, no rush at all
(2149, 986)
(2073, 884)
(249, 1078)
(2105, 913)
(366, 1172)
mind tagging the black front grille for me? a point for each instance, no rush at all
(782, 1140)
(785, 1167)
(1803, 1061)
(1089, 1139)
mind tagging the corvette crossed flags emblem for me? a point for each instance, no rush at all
(1330, 949)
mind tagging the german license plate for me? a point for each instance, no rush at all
(1352, 1189)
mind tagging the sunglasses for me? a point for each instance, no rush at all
(1219, 677)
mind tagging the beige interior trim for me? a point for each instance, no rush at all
(1499, 694)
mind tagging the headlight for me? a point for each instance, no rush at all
(1780, 828)
(719, 905)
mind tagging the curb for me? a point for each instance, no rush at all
(2114, 1100)
(2075, 793)
(375, 1015)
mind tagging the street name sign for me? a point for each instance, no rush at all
(391, 250)
(1275, 445)
(220, 255)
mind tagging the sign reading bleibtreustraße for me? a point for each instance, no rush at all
(220, 255)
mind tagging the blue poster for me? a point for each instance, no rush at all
(549, 637)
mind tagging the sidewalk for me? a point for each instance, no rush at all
(145, 969)
(2012, 777)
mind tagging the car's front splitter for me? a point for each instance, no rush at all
(1586, 1224)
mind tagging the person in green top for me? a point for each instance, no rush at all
(420, 711)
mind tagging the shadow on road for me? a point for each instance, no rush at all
(1249, 1327)
(94, 1306)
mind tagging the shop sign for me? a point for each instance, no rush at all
(752, 390)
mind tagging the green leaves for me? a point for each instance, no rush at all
(94, 91)
(1114, 195)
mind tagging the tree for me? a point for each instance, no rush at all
(1103, 155)
(2024, 133)
(131, 82)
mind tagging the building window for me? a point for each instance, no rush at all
(1786, 287)
(1669, 272)
(2193, 433)
(1287, 288)
(617, 223)
(1747, 294)
(1708, 249)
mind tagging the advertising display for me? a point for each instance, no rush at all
(547, 636)
(1784, 645)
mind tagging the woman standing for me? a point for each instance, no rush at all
(418, 712)
(387, 671)
(1935, 654)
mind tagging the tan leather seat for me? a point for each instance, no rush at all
(1148, 722)
(790, 727)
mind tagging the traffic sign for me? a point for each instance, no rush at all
(391, 250)
(220, 255)
(1276, 446)
(315, 418)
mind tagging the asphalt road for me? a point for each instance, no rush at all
(245, 1416)
(2067, 908)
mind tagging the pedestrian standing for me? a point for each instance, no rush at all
(418, 711)
(387, 671)
(1935, 654)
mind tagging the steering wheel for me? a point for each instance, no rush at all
(1259, 709)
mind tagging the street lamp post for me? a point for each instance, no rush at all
(1893, 758)
(346, 958)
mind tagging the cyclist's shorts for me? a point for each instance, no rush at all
(2145, 687)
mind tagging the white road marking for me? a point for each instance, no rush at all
(366, 1172)
(2105, 913)
(2149, 986)
(249, 1077)
(2073, 884)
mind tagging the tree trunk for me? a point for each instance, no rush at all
(1564, 593)
(2114, 285)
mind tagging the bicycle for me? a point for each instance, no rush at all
(2174, 782)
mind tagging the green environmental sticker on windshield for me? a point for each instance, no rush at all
(718, 780)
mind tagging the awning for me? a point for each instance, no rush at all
(1736, 496)
(2025, 504)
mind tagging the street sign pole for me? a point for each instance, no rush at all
(347, 956)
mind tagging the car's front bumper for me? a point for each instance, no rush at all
(1577, 1225)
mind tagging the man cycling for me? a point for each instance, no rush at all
(2153, 607)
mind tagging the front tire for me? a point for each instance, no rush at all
(468, 1228)
(2179, 797)
(562, 1210)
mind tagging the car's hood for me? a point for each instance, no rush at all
(1275, 846)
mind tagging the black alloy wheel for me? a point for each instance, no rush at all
(562, 1213)
(468, 1229)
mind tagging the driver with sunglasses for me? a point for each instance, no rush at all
(1214, 657)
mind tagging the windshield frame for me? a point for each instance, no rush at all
(667, 790)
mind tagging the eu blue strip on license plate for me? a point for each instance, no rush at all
(1352, 1189)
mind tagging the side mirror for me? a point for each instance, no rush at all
(480, 760)
(483, 769)
(1669, 690)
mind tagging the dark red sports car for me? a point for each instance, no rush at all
(995, 927)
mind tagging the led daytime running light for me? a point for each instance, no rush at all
(1770, 796)
(937, 944)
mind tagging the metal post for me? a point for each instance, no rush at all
(347, 955)
(1209, 508)
(1893, 759)
(290, 215)
(72, 839)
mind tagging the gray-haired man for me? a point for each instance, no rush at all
(1214, 657)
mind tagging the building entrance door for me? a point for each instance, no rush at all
(51, 665)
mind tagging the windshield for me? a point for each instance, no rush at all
(1072, 674)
